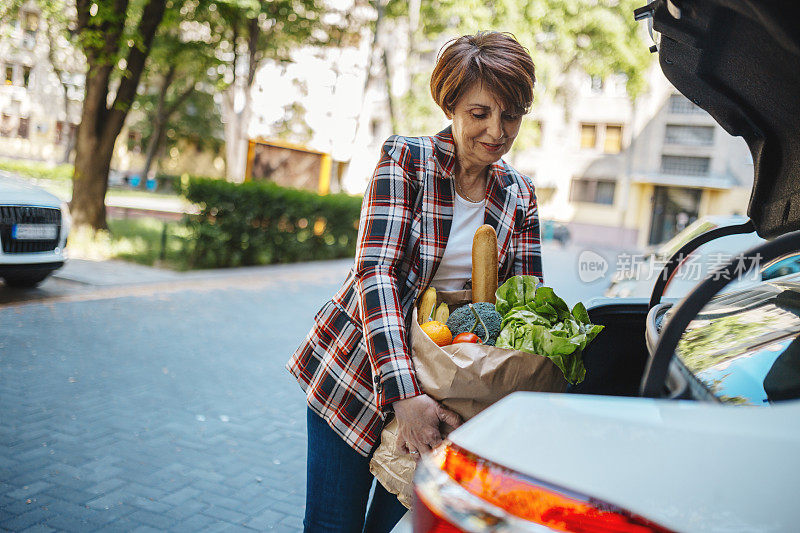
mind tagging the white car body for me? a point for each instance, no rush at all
(17, 197)
(709, 459)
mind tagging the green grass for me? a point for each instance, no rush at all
(134, 239)
(58, 179)
(113, 191)
(37, 170)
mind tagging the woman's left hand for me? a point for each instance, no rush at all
(418, 421)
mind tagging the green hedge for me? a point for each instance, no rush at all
(258, 223)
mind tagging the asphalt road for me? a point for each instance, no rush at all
(143, 400)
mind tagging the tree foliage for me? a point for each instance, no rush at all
(177, 100)
(256, 31)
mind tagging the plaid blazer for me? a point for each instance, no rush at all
(356, 361)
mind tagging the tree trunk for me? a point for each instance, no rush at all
(414, 7)
(100, 125)
(238, 122)
(389, 98)
(70, 144)
(152, 148)
(66, 125)
(232, 119)
(237, 150)
(159, 123)
(92, 153)
(162, 118)
(235, 137)
(364, 115)
(90, 182)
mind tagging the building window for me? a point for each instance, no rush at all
(681, 105)
(689, 135)
(685, 165)
(22, 129)
(596, 191)
(588, 135)
(135, 141)
(31, 22)
(6, 125)
(9, 75)
(596, 85)
(65, 132)
(613, 141)
(26, 75)
(59, 136)
(620, 84)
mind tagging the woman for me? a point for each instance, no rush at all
(426, 198)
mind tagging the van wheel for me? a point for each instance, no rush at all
(23, 281)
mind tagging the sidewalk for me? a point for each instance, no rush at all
(560, 266)
(156, 203)
(114, 272)
(83, 279)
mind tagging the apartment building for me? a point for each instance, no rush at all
(633, 174)
(38, 117)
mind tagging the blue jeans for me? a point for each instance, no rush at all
(338, 486)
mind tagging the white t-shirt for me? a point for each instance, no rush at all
(456, 266)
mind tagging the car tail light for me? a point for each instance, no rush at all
(456, 490)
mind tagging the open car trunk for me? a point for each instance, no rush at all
(616, 359)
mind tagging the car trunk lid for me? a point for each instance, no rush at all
(734, 59)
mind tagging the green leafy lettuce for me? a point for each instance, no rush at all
(536, 320)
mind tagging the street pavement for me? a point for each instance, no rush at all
(158, 407)
(138, 399)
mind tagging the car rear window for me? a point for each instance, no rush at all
(745, 347)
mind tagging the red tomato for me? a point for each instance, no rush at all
(467, 337)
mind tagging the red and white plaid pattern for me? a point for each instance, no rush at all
(356, 361)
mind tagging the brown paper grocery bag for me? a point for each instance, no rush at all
(466, 378)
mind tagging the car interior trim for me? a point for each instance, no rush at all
(671, 267)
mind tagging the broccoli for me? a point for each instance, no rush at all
(462, 320)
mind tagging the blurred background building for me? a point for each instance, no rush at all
(633, 174)
(612, 170)
(39, 107)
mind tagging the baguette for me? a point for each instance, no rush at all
(484, 265)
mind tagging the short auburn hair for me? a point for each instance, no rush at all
(494, 59)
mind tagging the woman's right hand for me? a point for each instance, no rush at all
(418, 421)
